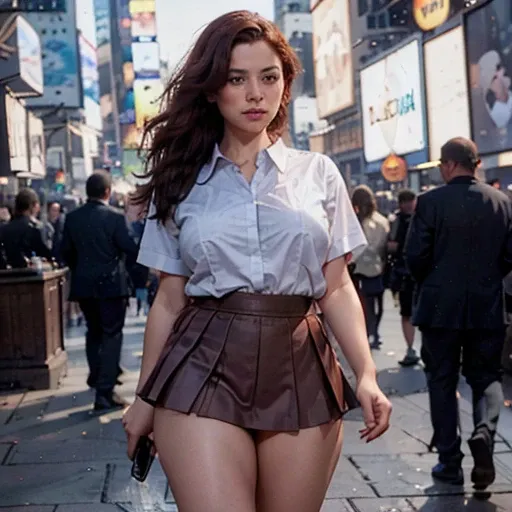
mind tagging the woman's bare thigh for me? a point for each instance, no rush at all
(295, 469)
(211, 465)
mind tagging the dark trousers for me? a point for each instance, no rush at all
(105, 321)
(373, 310)
(479, 351)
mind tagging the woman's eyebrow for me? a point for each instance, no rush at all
(245, 71)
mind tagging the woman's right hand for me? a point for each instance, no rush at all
(137, 422)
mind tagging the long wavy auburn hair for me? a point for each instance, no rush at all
(181, 139)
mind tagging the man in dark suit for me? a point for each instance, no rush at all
(459, 248)
(21, 237)
(96, 246)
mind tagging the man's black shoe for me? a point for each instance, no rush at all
(91, 382)
(110, 401)
(448, 473)
(483, 473)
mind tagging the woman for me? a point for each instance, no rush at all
(370, 265)
(238, 384)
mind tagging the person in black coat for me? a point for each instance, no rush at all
(21, 237)
(458, 249)
(97, 247)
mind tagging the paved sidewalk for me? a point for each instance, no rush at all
(55, 456)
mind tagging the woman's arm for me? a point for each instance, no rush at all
(343, 312)
(170, 299)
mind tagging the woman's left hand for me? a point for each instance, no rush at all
(376, 408)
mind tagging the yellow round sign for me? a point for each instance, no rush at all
(429, 14)
(394, 168)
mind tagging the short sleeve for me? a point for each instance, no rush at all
(159, 247)
(346, 233)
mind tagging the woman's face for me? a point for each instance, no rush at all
(252, 95)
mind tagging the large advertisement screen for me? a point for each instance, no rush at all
(147, 100)
(90, 83)
(392, 104)
(447, 89)
(146, 60)
(61, 61)
(30, 58)
(489, 50)
(143, 25)
(332, 50)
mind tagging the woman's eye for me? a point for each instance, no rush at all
(235, 80)
(270, 78)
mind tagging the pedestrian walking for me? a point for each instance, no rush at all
(401, 281)
(459, 248)
(239, 384)
(96, 246)
(371, 264)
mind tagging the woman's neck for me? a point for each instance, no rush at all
(243, 151)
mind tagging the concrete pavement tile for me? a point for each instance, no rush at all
(383, 505)
(496, 503)
(347, 482)
(409, 475)
(37, 484)
(402, 381)
(29, 508)
(44, 451)
(506, 460)
(419, 400)
(69, 399)
(111, 430)
(393, 441)
(120, 487)
(8, 403)
(98, 507)
(423, 433)
(335, 505)
(505, 424)
(4, 450)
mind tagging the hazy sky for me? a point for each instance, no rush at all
(180, 20)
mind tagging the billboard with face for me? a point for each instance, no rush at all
(489, 50)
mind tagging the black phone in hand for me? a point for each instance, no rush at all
(143, 458)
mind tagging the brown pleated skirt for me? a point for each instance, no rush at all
(262, 362)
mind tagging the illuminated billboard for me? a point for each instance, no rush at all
(146, 60)
(137, 6)
(332, 50)
(392, 104)
(147, 100)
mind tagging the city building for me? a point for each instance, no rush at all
(295, 21)
(22, 145)
(69, 104)
(396, 79)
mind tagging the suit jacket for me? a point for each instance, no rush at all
(20, 238)
(97, 248)
(458, 249)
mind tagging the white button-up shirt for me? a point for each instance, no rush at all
(272, 235)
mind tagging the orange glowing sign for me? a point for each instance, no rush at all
(394, 168)
(429, 14)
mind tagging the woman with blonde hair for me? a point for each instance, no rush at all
(370, 265)
(239, 385)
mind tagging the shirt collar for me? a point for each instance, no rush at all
(277, 153)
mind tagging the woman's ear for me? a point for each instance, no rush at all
(212, 98)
